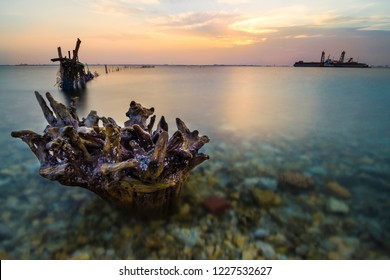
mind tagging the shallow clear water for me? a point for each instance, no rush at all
(331, 125)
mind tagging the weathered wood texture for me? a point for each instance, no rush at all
(134, 166)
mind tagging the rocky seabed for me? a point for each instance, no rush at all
(254, 199)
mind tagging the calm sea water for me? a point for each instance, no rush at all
(332, 125)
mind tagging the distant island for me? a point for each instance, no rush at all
(26, 64)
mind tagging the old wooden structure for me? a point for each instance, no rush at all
(72, 72)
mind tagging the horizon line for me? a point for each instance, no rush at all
(167, 64)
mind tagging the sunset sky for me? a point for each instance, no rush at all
(195, 32)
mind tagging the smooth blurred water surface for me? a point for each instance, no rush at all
(350, 103)
(321, 120)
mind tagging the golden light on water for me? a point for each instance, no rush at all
(255, 107)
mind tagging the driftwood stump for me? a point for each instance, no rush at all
(134, 167)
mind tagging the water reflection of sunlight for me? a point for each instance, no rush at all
(259, 107)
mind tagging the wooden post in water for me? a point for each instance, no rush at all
(76, 51)
(59, 52)
(105, 66)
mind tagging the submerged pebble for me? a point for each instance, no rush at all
(261, 233)
(293, 181)
(337, 206)
(338, 190)
(342, 247)
(268, 183)
(188, 236)
(266, 198)
(216, 204)
(266, 249)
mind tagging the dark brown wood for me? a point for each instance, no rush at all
(76, 50)
(133, 167)
(59, 52)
